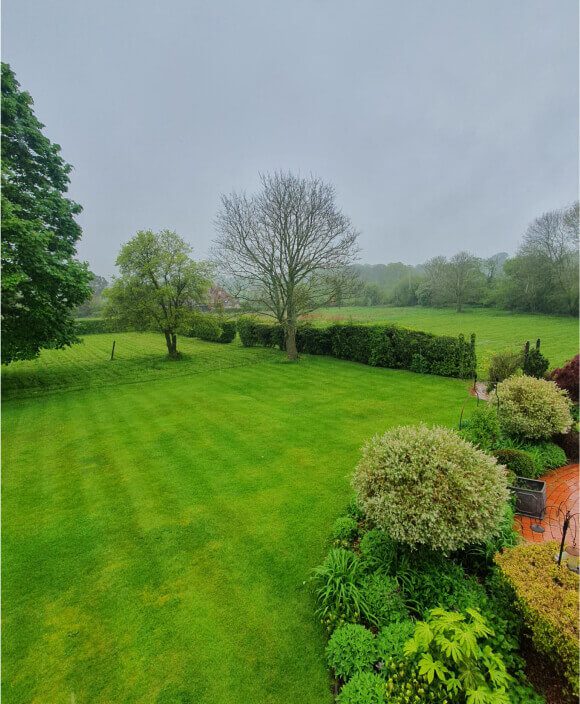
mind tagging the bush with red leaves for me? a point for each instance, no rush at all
(567, 377)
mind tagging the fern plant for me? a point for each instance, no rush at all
(448, 649)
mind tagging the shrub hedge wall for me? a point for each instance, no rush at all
(94, 326)
(212, 328)
(547, 596)
(376, 345)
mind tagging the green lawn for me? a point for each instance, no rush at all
(157, 534)
(494, 329)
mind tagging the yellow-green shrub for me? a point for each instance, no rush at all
(428, 486)
(532, 408)
(547, 596)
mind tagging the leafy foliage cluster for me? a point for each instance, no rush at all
(547, 597)
(413, 623)
(570, 444)
(382, 601)
(338, 590)
(532, 409)
(377, 345)
(450, 647)
(568, 377)
(352, 648)
(502, 365)
(344, 531)
(483, 428)
(428, 486)
(363, 688)
(534, 362)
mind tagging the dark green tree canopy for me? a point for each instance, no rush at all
(42, 281)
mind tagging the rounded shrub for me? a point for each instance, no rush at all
(351, 649)
(428, 486)
(532, 408)
(205, 327)
(382, 601)
(520, 462)
(378, 552)
(344, 530)
(363, 688)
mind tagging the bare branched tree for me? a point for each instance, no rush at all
(288, 248)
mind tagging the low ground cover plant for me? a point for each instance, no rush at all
(532, 409)
(428, 486)
(344, 531)
(547, 597)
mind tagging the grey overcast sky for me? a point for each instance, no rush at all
(443, 125)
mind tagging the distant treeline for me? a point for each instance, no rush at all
(542, 277)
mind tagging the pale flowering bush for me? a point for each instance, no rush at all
(532, 408)
(428, 486)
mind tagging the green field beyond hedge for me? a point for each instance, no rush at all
(157, 533)
(495, 330)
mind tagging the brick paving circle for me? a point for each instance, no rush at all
(561, 495)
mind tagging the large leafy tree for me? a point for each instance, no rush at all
(42, 281)
(543, 276)
(160, 285)
(456, 281)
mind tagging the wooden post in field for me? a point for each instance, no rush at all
(113, 351)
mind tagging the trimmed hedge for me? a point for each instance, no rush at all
(377, 345)
(547, 596)
(212, 328)
(94, 326)
(256, 334)
(520, 462)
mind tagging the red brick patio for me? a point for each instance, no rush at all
(561, 494)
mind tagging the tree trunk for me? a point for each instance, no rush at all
(171, 342)
(291, 349)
